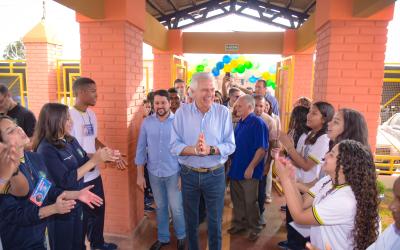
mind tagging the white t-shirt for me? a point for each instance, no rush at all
(316, 152)
(388, 240)
(335, 211)
(85, 132)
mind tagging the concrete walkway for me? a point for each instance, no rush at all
(273, 233)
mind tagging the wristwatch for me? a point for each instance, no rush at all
(212, 150)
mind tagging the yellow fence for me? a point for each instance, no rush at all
(13, 75)
(386, 164)
(67, 72)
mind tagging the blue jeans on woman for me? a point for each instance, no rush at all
(211, 185)
(166, 193)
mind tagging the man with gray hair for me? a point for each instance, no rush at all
(251, 136)
(202, 138)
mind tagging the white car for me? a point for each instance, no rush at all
(388, 137)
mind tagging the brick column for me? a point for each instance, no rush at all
(303, 67)
(162, 69)
(164, 60)
(41, 52)
(350, 59)
(112, 55)
(349, 67)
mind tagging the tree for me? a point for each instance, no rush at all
(14, 51)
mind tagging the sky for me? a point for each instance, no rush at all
(17, 17)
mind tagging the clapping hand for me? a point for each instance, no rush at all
(284, 168)
(9, 161)
(89, 198)
(120, 162)
(202, 148)
(62, 205)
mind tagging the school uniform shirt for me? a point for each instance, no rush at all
(335, 210)
(250, 135)
(388, 240)
(20, 225)
(85, 131)
(63, 163)
(315, 152)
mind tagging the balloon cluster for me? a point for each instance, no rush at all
(238, 64)
(232, 64)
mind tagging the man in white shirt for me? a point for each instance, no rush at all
(85, 131)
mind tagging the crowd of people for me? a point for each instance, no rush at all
(51, 190)
(195, 143)
(200, 142)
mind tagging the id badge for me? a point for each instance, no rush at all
(88, 130)
(40, 192)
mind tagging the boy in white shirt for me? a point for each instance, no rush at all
(85, 131)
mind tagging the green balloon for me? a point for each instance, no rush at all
(270, 83)
(233, 70)
(240, 68)
(248, 65)
(200, 68)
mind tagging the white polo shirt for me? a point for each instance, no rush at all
(316, 152)
(388, 240)
(85, 132)
(335, 211)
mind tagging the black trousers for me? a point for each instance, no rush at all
(295, 239)
(93, 219)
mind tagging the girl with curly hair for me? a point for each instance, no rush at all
(342, 207)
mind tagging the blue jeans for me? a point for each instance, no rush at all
(166, 193)
(212, 186)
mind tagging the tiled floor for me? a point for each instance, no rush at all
(269, 237)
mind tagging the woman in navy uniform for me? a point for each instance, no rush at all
(22, 222)
(67, 163)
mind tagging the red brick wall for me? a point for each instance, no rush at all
(349, 67)
(112, 55)
(41, 60)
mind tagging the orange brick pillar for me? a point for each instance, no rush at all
(162, 69)
(111, 54)
(303, 67)
(42, 51)
(163, 64)
(350, 59)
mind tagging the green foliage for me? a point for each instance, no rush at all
(14, 51)
(381, 187)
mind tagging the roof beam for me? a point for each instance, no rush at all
(93, 9)
(173, 5)
(173, 20)
(154, 6)
(366, 8)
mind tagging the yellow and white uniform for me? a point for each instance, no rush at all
(315, 152)
(335, 210)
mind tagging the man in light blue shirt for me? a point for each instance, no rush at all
(261, 89)
(202, 138)
(163, 168)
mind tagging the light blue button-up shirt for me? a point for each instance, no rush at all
(216, 125)
(153, 147)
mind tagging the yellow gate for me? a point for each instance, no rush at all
(284, 89)
(13, 75)
(179, 69)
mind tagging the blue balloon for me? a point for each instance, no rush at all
(272, 69)
(226, 59)
(220, 65)
(215, 71)
(253, 79)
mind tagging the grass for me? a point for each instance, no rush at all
(384, 211)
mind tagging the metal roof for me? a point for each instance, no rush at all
(178, 14)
